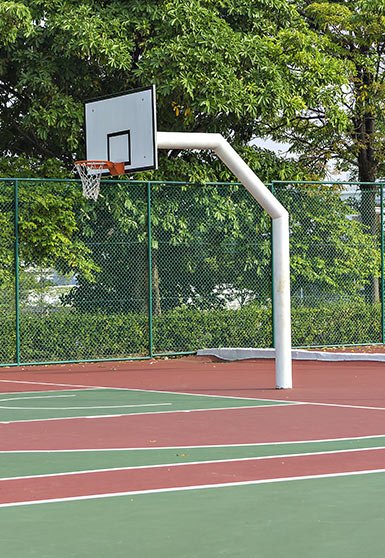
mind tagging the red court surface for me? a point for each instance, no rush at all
(195, 428)
(353, 383)
(334, 401)
(131, 481)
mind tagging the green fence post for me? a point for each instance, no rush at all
(272, 189)
(382, 264)
(17, 277)
(149, 274)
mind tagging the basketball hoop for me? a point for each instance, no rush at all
(90, 173)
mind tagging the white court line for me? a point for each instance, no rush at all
(210, 410)
(82, 408)
(181, 447)
(279, 402)
(30, 382)
(81, 417)
(36, 397)
(366, 407)
(186, 463)
(187, 488)
(77, 386)
(80, 390)
(71, 408)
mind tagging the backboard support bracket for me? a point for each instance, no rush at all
(280, 226)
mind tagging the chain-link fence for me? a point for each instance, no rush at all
(337, 248)
(157, 268)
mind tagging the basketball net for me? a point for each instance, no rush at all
(90, 173)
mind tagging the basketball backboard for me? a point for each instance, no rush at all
(122, 128)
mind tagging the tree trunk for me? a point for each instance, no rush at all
(156, 304)
(364, 136)
(367, 172)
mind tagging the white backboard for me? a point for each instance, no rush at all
(122, 128)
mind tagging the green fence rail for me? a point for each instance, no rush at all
(166, 268)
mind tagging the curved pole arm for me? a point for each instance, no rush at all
(280, 224)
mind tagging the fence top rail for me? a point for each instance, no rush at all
(330, 182)
(188, 182)
(124, 181)
(272, 184)
(26, 179)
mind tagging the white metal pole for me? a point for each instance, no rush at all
(281, 290)
(280, 222)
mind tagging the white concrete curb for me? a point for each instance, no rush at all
(232, 353)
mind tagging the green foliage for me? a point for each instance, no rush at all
(342, 323)
(299, 71)
(211, 245)
(15, 20)
(47, 220)
(200, 168)
(218, 66)
(353, 31)
(70, 336)
(227, 66)
(187, 329)
(21, 166)
(47, 229)
(7, 235)
(305, 72)
(202, 236)
(331, 251)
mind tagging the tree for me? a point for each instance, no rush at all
(230, 66)
(45, 236)
(15, 21)
(350, 131)
(354, 31)
(332, 254)
(218, 66)
(211, 245)
(47, 230)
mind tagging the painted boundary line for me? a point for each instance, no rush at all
(112, 388)
(156, 448)
(92, 417)
(280, 402)
(189, 488)
(186, 463)
(81, 387)
(53, 391)
(55, 394)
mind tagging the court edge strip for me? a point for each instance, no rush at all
(189, 488)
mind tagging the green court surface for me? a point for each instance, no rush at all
(40, 463)
(340, 517)
(100, 402)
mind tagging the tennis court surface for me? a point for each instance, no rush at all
(192, 457)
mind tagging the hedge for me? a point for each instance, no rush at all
(66, 335)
